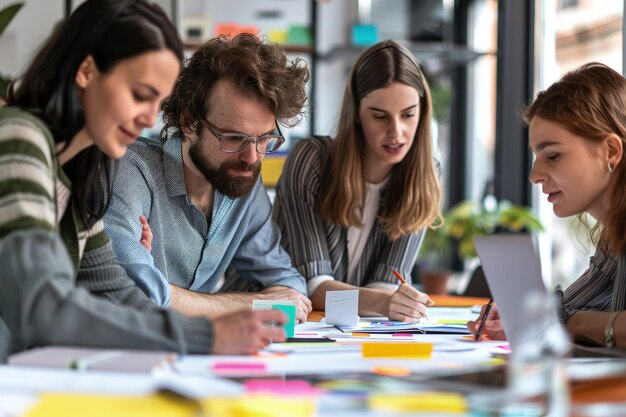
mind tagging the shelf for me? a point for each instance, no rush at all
(424, 51)
(290, 49)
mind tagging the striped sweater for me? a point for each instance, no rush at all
(59, 281)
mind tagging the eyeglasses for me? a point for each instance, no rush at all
(236, 142)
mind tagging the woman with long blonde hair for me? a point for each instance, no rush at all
(354, 208)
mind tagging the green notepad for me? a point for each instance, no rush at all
(286, 306)
(290, 312)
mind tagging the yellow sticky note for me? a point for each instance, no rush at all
(261, 406)
(397, 350)
(446, 321)
(428, 401)
(391, 370)
(77, 405)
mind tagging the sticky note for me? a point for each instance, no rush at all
(396, 371)
(397, 350)
(79, 405)
(254, 405)
(422, 402)
(450, 321)
(281, 387)
(239, 367)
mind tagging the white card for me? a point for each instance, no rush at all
(267, 304)
(342, 307)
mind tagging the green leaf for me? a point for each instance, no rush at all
(7, 14)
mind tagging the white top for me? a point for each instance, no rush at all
(357, 236)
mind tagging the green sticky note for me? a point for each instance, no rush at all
(290, 312)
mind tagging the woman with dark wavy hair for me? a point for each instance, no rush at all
(354, 208)
(94, 85)
(577, 131)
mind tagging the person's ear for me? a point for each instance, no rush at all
(86, 71)
(615, 149)
(187, 131)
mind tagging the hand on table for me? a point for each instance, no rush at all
(408, 304)
(245, 332)
(492, 328)
(302, 303)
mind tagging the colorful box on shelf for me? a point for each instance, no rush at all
(234, 29)
(364, 35)
(298, 35)
(277, 36)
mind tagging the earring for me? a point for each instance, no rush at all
(610, 167)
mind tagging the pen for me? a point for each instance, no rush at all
(397, 274)
(483, 319)
(402, 280)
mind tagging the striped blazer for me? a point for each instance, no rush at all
(601, 288)
(318, 247)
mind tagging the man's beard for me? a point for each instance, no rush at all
(229, 185)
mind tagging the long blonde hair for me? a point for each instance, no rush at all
(413, 198)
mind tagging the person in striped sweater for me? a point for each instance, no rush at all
(577, 131)
(354, 208)
(94, 85)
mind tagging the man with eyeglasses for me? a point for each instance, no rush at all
(198, 192)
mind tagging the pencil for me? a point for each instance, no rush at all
(403, 281)
(397, 274)
(483, 319)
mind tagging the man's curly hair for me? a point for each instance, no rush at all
(255, 68)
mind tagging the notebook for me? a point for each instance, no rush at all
(513, 269)
(80, 358)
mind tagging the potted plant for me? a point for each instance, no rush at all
(6, 15)
(453, 239)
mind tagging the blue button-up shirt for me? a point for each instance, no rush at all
(186, 251)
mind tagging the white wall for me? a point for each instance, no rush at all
(32, 24)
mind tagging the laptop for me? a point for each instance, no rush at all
(513, 269)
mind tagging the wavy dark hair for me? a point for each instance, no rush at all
(255, 68)
(590, 102)
(110, 31)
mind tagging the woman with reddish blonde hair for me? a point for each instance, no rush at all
(577, 131)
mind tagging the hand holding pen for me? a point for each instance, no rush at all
(487, 324)
(407, 304)
(481, 326)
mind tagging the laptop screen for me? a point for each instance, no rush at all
(513, 270)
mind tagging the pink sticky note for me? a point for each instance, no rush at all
(239, 367)
(279, 386)
(402, 335)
